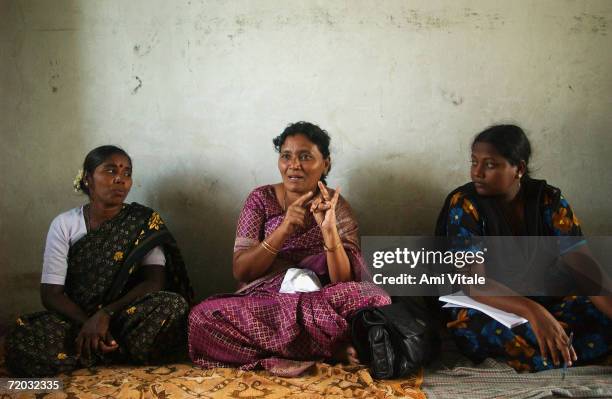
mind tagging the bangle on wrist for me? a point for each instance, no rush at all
(269, 248)
(332, 249)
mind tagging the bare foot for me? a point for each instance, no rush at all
(346, 354)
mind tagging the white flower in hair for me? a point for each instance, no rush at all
(76, 183)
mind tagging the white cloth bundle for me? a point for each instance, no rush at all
(300, 280)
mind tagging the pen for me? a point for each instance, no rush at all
(569, 345)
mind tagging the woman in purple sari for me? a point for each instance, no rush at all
(298, 223)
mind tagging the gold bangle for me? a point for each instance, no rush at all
(269, 248)
(332, 249)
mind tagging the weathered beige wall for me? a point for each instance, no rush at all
(195, 90)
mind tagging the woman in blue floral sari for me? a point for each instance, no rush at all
(503, 200)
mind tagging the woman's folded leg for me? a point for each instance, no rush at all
(153, 329)
(41, 344)
(245, 330)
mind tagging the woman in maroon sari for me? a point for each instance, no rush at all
(297, 223)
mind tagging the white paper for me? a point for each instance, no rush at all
(299, 280)
(458, 299)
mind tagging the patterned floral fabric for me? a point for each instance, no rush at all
(102, 267)
(478, 335)
(181, 380)
(465, 219)
(284, 333)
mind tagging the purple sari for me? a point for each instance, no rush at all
(284, 333)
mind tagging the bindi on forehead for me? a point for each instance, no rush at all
(120, 165)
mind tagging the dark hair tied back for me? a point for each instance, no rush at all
(94, 159)
(313, 132)
(510, 141)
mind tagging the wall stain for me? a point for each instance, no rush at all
(53, 82)
(454, 98)
(440, 21)
(323, 17)
(244, 22)
(395, 155)
(231, 27)
(406, 19)
(392, 21)
(55, 76)
(213, 186)
(143, 49)
(424, 21)
(206, 24)
(589, 23)
(135, 90)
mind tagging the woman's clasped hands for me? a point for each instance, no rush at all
(95, 337)
(322, 207)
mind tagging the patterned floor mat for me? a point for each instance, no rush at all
(185, 381)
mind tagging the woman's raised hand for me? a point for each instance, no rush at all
(295, 215)
(323, 207)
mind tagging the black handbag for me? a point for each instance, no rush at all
(396, 340)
